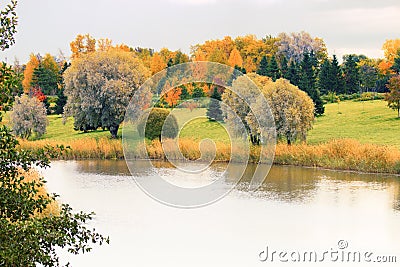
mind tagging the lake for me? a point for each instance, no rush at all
(296, 211)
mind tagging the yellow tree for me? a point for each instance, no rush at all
(49, 63)
(83, 44)
(235, 59)
(28, 72)
(390, 48)
(104, 44)
(157, 63)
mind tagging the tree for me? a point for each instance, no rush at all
(325, 79)
(32, 64)
(273, 68)
(263, 67)
(393, 97)
(396, 63)
(29, 234)
(292, 108)
(293, 73)
(83, 44)
(61, 101)
(158, 122)
(295, 45)
(28, 116)
(157, 63)
(351, 74)
(368, 74)
(214, 112)
(8, 22)
(99, 86)
(172, 97)
(337, 76)
(198, 92)
(235, 59)
(307, 83)
(46, 75)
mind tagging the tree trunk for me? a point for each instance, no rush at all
(114, 131)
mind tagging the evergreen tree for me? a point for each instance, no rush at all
(214, 112)
(184, 93)
(198, 92)
(284, 68)
(263, 67)
(293, 73)
(273, 69)
(61, 101)
(325, 78)
(337, 76)
(351, 74)
(396, 65)
(45, 79)
(307, 83)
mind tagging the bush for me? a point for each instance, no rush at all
(158, 122)
(28, 116)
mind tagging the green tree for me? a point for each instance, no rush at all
(184, 93)
(8, 22)
(393, 97)
(28, 236)
(273, 68)
(293, 73)
(351, 74)
(99, 87)
(263, 67)
(47, 76)
(337, 76)
(158, 122)
(396, 64)
(214, 112)
(325, 79)
(284, 69)
(28, 116)
(198, 92)
(307, 83)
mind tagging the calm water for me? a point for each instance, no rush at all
(297, 209)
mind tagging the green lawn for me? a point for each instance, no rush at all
(366, 121)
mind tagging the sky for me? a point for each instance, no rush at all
(347, 26)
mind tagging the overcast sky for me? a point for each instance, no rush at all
(347, 26)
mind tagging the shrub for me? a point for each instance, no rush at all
(28, 116)
(158, 122)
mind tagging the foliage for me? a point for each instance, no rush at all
(351, 74)
(28, 116)
(8, 87)
(214, 112)
(295, 45)
(8, 22)
(393, 97)
(99, 86)
(29, 236)
(28, 72)
(156, 123)
(46, 76)
(198, 92)
(293, 110)
(83, 44)
(308, 81)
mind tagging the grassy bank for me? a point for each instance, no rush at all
(361, 136)
(342, 154)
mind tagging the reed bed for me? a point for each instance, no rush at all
(342, 154)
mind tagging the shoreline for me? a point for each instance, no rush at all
(338, 155)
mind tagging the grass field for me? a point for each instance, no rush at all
(349, 136)
(368, 122)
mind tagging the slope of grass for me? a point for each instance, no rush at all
(368, 122)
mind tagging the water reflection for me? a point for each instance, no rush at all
(283, 183)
